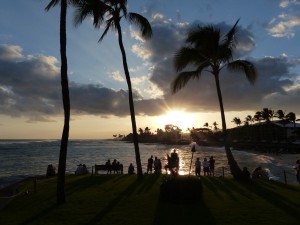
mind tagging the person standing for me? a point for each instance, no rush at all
(198, 167)
(205, 167)
(212, 166)
(150, 164)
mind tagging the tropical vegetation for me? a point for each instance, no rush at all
(65, 97)
(207, 51)
(114, 11)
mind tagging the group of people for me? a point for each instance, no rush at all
(114, 166)
(154, 164)
(207, 165)
(81, 169)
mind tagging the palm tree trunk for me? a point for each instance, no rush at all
(234, 168)
(131, 105)
(66, 104)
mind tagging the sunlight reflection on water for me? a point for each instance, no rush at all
(19, 159)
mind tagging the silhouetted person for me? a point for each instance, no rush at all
(159, 166)
(131, 169)
(174, 162)
(198, 167)
(150, 164)
(114, 166)
(260, 174)
(205, 167)
(50, 171)
(108, 166)
(246, 173)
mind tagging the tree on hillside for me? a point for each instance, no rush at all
(257, 117)
(114, 11)
(237, 121)
(215, 126)
(280, 114)
(207, 50)
(60, 196)
(249, 119)
(267, 114)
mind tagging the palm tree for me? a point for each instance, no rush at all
(207, 50)
(215, 126)
(266, 114)
(280, 114)
(60, 196)
(114, 11)
(237, 121)
(257, 117)
(249, 119)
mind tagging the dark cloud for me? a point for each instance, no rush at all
(274, 80)
(30, 85)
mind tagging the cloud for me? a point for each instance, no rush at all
(12, 52)
(238, 94)
(287, 3)
(30, 84)
(284, 26)
(116, 75)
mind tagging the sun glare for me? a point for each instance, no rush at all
(181, 119)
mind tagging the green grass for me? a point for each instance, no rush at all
(122, 199)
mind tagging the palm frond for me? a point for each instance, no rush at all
(109, 24)
(229, 38)
(205, 39)
(186, 56)
(52, 4)
(94, 8)
(142, 23)
(246, 67)
(182, 79)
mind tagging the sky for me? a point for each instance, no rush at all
(30, 91)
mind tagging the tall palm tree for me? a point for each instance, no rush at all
(207, 50)
(60, 196)
(114, 11)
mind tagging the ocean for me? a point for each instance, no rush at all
(20, 159)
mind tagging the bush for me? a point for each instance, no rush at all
(181, 189)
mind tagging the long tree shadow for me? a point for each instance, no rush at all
(41, 214)
(128, 191)
(263, 189)
(175, 212)
(192, 213)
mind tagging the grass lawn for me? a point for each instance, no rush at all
(122, 199)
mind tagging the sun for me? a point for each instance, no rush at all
(178, 118)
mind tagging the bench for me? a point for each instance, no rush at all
(97, 168)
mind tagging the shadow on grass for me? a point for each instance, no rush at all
(112, 204)
(80, 183)
(263, 189)
(182, 209)
(192, 213)
(41, 214)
